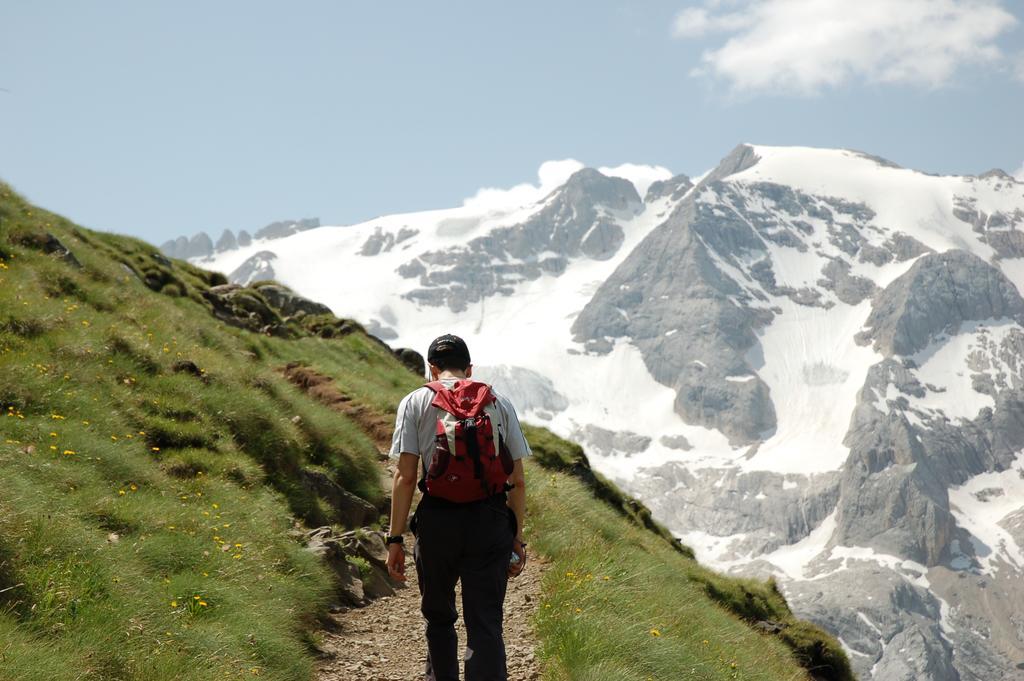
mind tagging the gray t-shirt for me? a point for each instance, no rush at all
(416, 425)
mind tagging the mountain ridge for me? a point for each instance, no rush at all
(835, 339)
(170, 494)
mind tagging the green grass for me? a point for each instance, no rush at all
(622, 604)
(130, 488)
(152, 460)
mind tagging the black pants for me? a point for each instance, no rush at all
(471, 542)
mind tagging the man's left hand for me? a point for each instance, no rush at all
(514, 569)
(396, 562)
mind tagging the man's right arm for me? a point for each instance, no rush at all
(402, 489)
(404, 444)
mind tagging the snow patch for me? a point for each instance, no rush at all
(982, 515)
(792, 560)
(789, 358)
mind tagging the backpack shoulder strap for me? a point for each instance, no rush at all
(465, 399)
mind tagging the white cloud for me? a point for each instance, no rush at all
(694, 22)
(641, 176)
(805, 45)
(550, 176)
(1020, 173)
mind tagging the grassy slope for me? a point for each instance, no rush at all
(145, 513)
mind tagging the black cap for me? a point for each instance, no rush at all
(448, 347)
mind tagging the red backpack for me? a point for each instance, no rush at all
(470, 460)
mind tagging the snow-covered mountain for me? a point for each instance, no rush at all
(809, 363)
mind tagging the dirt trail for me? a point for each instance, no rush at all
(384, 641)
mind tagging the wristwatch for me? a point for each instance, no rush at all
(395, 539)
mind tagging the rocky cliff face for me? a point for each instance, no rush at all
(939, 408)
(808, 363)
(578, 221)
(201, 246)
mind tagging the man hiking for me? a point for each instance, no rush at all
(466, 440)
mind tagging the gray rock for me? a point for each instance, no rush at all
(290, 304)
(674, 187)
(382, 242)
(369, 546)
(675, 442)
(938, 294)
(739, 159)
(918, 653)
(899, 247)
(891, 498)
(378, 242)
(385, 333)
(199, 246)
(525, 388)
(226, 242)
(323, 543)
(996, 173)
(412, 360)
(244, 239)
(244, 308)
(884, 162)
(366, 544)
(694, 293)
(283, 228)
(51, 245)
(894, 485)
(577, 222)
(174, 248)
(669, 297)
(879, 615)
(906, 247)
(766, 507)
(257, 267)
(602, 241)
(347, 509)
(607, 442)
(848, 288)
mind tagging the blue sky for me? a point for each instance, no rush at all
(165, 118)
